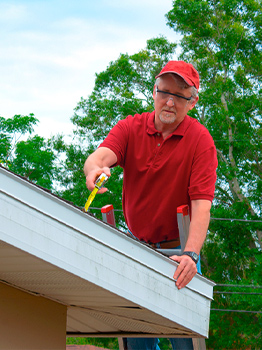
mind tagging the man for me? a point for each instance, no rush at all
(170, 160)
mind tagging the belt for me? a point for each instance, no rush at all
(166, 244)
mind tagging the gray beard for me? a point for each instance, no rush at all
(165, 120)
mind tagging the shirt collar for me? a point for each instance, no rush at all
(180, 130)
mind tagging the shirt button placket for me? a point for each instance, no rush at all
(159, 139)
(156, 152)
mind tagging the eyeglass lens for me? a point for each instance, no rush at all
(164, 95)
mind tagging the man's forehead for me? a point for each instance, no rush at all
(173, 80)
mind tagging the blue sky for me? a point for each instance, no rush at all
(51, 50)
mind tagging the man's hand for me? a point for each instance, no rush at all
(185, 271)
(97, 163)
(200, 215)
(92, 177)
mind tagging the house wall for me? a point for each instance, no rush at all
(30, 322)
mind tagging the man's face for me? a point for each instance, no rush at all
(171, 110)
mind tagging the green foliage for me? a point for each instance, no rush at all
(18, 124)
(71, 177)
(107, 343)
(30, 156)
(34, 160)
(11, 130)
(110, 343)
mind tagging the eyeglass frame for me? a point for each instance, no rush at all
(169, 93)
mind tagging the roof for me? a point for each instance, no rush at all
(111, 284)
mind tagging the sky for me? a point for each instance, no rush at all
(51, 50)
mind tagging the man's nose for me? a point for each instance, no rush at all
(169, 103)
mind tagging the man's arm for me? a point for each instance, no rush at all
(200, 216)
(97, 163)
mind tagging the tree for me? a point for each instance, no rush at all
(34, 159)
(30, 156)
(11, 130)
(223, 40)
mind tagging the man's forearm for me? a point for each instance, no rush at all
(102, 157)
(92, 163)
(200, 217)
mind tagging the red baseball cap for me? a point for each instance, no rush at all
(184, 70)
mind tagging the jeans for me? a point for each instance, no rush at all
(152, 343)
(142, 343)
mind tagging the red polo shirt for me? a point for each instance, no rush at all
(160, 175)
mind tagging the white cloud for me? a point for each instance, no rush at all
(11, 12)
(50, 54)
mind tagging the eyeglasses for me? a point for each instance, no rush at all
(165, 95)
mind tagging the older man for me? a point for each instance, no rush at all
(169, 159)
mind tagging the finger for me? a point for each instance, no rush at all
(92, 177)
(102, 190)
(184, 279)
(180, 267)
(106, 170)
(176, 258)
(180, 273)
(186, 276)
(185, 271)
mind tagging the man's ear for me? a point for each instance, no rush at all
(192, 105)
(154, 92)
